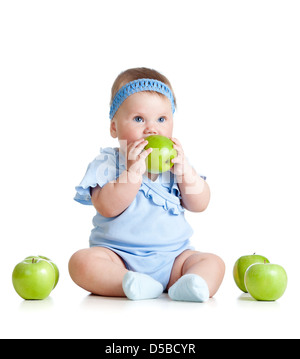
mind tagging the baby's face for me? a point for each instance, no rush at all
(142, 114)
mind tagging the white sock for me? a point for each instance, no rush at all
(139, 286)
(190, 288)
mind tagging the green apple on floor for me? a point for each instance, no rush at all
(53, 264)
(266, 282)
(35, 277)
(240, 267)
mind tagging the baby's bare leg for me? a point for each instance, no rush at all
(98, 270)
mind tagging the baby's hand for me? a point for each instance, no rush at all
(136, 156)
(181, 165)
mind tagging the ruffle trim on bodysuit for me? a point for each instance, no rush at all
(108, 165)
(166, 200)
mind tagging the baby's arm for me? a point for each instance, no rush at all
(116, 196)
(194, 190)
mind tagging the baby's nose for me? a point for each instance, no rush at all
(150, 130)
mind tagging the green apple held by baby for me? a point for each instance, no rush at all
(163, 152)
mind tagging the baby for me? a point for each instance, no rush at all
(140, 244)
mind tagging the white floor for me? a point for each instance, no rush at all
(70, 312)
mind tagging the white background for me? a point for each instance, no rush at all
(234, 67)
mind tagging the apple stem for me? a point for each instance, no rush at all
(265, 262)
(33, 260)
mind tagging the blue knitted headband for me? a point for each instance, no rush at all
(139, 86)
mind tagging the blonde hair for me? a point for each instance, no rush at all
(135, 74)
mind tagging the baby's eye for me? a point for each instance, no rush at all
(161, 119)
(138, 119)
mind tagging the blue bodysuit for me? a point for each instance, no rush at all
(151, 232)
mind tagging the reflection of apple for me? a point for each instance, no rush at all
(53, 264)
(266, 282)
(34, 278)
(163, 152)
(240, 267)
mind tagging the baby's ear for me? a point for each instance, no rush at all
(113, 129)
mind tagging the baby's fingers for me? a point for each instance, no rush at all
(176, 141)
(145, 153)
(136, 148)
(177, 159)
